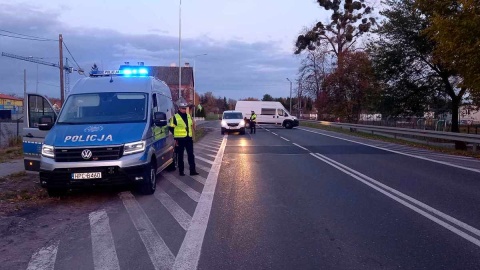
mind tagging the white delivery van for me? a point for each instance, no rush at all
(268, 112)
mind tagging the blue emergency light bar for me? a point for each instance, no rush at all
(127, 72)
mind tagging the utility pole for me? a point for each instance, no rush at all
(195, 81)
(62, 86)
(180, 50)
(290, 95)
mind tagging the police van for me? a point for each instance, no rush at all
(112, 129)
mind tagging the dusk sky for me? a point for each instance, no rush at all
(249, 43)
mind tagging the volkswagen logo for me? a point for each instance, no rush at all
(86, 154)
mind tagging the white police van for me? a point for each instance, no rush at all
(111, 130)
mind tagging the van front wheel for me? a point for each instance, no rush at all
(288, 125)
(149, 184)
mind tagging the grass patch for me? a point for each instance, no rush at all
(9, 153)
(392, 140)
(20, 190)
(199, 133)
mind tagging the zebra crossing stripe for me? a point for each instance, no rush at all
(44, 259)
(182, 217)
(189, 253)
(204, 159)
(201, 167)
(199, 179)
(103, 247)
(160, 255)
(210, 150)
(213, 156)
(193, 194)
(215, 148)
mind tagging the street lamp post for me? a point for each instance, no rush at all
(290, 95)
(195, 81)
(179, 50)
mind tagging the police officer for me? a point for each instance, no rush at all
(182, 127)
(253, 123)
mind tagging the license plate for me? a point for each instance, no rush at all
(90, 175)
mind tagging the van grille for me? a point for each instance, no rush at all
(232, 124)
(98, 153)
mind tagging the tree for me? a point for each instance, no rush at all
(267, 97)
(348, 22)
(455, 28)
(403, 56)
(351, 88)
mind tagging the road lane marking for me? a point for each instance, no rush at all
(377, 186)
(285, 139)
(189, 253)
(103, 246)
(213, 156)
(301, 146)
(204, 159)
(396, 152)
(44, 259)
(199, 179)
(160, 255)
(182, 217)
(201, 167)
(192, 193)
(208, 147)
(274, 133)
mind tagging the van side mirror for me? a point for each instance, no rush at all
(286, 114)
(160, 119)
(45, 122)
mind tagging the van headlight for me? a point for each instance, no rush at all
(224, 123)
(242, 123)
(48, 151)
(134, 147)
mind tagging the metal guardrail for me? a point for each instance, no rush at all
(463, 137)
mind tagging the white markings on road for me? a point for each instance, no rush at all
(182, 217)
(213, 148)
(204, 159)
(285, 139)
(199, 179)
(103, 247)
(189, 253)
(300, 146)
(160, 255)
(274, 133)
(193, 194)
(209, 149)
(201, 167)
(213, 156)
(44, 259)
(397, 196)
(396, 152)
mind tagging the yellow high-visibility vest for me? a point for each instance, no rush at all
(253, 117)
(180, 129)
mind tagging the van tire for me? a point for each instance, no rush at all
(149, 184)
(223, 131)
(56, 192)
(172, 166)
(288, 125)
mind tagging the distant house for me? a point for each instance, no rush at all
(170, 76)
(10, 106)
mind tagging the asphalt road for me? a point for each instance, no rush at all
(277, 199)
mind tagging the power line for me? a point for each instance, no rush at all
(22, 36)
(73, 58)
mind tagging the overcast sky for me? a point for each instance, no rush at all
(249, 43)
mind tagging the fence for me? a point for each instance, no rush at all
(9, 131)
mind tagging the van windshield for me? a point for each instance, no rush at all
(95, 108)
(232, 116)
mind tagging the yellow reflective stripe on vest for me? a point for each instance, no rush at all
(180, 130)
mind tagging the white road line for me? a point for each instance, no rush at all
(210, 155)
(207, 147)
(208, 144)
(103, 246)
(44, 259)
(301, 146)
(267, 130)
(199, 179)
(373, 184)
(396, 152)
(201, 167)
(182, 217)
(204, 159)
(189, 253)
(285, 139)
(193, 194)
(160, 255)
(274, 133)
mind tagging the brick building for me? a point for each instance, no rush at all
(170, 76)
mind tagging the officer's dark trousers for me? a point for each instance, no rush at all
(186, 143)
(253, 127)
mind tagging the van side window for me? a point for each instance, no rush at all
(155, 103)
(38, 107)
(266, 111)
